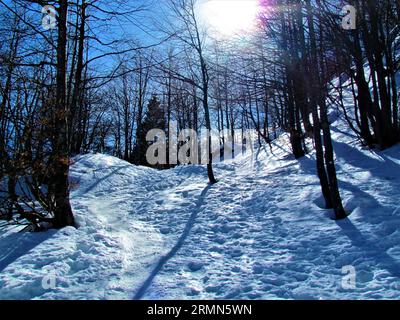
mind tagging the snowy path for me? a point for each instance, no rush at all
(259, 233)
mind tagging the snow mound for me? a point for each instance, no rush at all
(104, 257)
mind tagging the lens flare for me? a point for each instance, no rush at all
(229, 17)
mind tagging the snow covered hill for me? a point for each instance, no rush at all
(259, 233)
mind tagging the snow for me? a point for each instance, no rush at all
(261, 232)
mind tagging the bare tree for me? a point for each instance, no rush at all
(191, 35)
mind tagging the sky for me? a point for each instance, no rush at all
(222, 18)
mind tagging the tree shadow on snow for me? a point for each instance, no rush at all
(115, 171)
(18, 244)
(360, 198)
(384, 168)
(188, 227)
(370, 247)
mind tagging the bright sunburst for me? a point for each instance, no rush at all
(228, 17)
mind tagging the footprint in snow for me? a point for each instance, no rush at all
(193, 292)
(165, 230)
(236, 253)
(258, 268)
(195, 266)
(185, 194)
(273, 280)
(364, 276)
(213, 288)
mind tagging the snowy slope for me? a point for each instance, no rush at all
(259, 233)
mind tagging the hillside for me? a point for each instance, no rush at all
(259, 233)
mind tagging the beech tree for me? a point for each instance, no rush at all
(189, 33)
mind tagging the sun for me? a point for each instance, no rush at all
(229, 17)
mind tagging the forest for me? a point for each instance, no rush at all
(89, 77)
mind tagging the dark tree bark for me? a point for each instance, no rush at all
(63, 215)
(325, 160)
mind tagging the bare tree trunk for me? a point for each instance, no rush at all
(77, 108)
(62, 212)
(325, 161)
(210, 171)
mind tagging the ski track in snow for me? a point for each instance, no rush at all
(261, 232)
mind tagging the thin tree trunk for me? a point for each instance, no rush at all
(62, 212)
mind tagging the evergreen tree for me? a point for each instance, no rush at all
(154, 119)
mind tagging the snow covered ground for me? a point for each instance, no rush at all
(259, 233)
